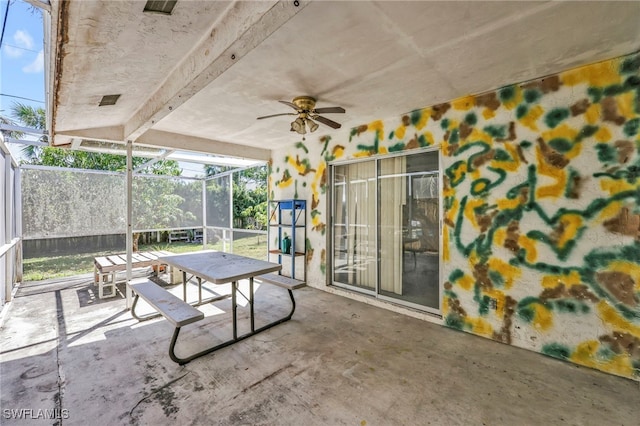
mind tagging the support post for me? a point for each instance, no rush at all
(204, 214)
(129, 220)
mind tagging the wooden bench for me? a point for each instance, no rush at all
(178, 236)
(106, 267)
(176, 311)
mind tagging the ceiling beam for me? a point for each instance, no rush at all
(41, 4)
(244, 26)
(157, 138)
(110, 133)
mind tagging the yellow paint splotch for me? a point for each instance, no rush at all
(515, 100)
(586, 354)
(593, 113)
(610, 316)
(469, 211)
(317, 178)
(617, 186)
(445, 245)
(338, 151)
(626, 104)
(424, 118)
(285, 182)
(530, 120)
(600, 74)
(480, 135)
(510, 165)
(509, 272)
(488, 113)
(571, 224)
(500, 236)
(603, 135)
(452, 212)
(464, 103)
(508, 204)
(500, 299)
(529, 246)
(554, 190)
(378, 127)
(543, 319)
(481, 326)
(361, 154)
(428, 136)
(610, 211)
(466, 282)
(559, 175)
(570, 279)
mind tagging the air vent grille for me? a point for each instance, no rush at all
(160, 6)
(109, 100)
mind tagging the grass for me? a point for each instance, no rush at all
(44, 268)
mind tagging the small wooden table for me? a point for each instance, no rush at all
(105, 267)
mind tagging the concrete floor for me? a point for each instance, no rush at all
(337, 362)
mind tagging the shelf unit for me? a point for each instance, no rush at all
(288, 218)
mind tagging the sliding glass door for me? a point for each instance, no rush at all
(386, 228)
(354, 218)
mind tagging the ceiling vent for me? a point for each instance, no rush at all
(160, 6)
(109, 100)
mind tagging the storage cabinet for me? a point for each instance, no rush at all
(288, 236)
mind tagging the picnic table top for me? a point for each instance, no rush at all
(219, 267)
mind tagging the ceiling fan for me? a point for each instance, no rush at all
(306, 111)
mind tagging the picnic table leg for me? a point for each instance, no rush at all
(234, 309)
(184, 285)
(253, 328)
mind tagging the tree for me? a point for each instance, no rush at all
(249, 196)
(157, 205)
(63, 157)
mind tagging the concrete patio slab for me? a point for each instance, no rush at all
(69, 355)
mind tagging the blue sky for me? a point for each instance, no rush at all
(21, 56)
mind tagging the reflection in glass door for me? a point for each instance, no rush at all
(386, 228)
(354, 218)
(409, 229)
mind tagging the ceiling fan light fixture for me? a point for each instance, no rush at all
(298, 125)
(313, 126)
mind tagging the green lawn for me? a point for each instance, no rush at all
(44, 268)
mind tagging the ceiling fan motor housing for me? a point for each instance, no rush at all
(304, 103)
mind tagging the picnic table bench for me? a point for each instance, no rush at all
(106, 267)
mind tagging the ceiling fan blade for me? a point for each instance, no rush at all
(328, 110)
(292, 105)
(326, 121)
(276, 115)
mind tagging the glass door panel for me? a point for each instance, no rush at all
(354, 219)
(409, 229)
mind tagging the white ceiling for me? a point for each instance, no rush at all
(199, 78)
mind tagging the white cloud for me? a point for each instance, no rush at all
(36, 66)
(23, 39)
(12, 52)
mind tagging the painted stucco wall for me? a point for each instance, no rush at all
(542, 209)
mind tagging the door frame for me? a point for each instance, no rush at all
(331, 234)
